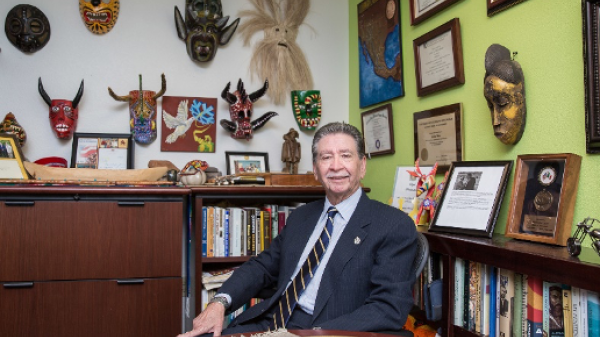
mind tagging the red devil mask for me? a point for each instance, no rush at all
(63, 113)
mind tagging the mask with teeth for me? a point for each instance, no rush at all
(99, 16)
(307, 108)
(63, 113)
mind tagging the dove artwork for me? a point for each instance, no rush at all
(188, 124)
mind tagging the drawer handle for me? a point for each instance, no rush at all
(128, 282)
(19, 203)
(18, 285)
(131, 203)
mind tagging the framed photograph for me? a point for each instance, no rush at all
(439, 59)
(591, 43)
(247, 162)
(378, 130)
(438, 136)
(472, 197)
(380, 52)
(495, 6)
(421, 10)
(102, 151)
(11, 158)
(543, 198)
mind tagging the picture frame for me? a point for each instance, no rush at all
(472, 197)
(495, 6)
(102, 151)
(378, 130)
(438, 136)
(543, 198)
(381, 71)
(11, 158)
(247, 162)
(421, 10)
(591, 43)
(439, 59)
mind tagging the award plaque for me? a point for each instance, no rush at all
(543, 199)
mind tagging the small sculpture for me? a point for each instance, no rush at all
(142, 111)
(307, 108)
(504, 90)
(193, 173)
(583, 229)
(426, 185)
(63, 113)
(204, 28)
(11, 126)
(240, 111)
(27, 28)
(99, 16)
(290, 152)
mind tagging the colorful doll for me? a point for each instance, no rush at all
(63, 113)
(307, 108)
(142, 111)
(240, 111)
(27, 28)
(99, 16)
(204, 28)
(426, 185)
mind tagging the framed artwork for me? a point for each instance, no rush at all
(472, 197)
(591, 24)
(495, 6)
(188, 124)
(543, 198)
(11, 158)
(378, 130)
(380, 52)
(439, 59)
(247, 162)
(439, 136)
(421, 10)
(102, 151)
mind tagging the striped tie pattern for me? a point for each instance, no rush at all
(289, 299)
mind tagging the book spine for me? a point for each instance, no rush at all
(267, 227)
(466, 295)
(485, 309)
(506, 304)
(567, 314)
(204, 230)
(474, 296)
(553, 319)
(274, 221)
(210, 232)
(575, 310)
(518, 306)
(534, 306)
(524, 296)
(583, 313)
(492, 310)
(226, 232)
(593, 304)
(459, 291)
(253, 232)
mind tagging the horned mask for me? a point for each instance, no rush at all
(27, 28)
(99, 16)
(204, 28)
(142, 111)
(240, 111)
(63, 113)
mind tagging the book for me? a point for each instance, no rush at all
(485, 307)
(210, 232)
(473, 317)
(274, 221)
(534, 306)
(267, 230)
(226, 236)
(459, 291)
(524, 295)
(575, 310)
(552, 314)
(466, 295)
(593, 312)
(218, 232)
(235, 231)
(492, 310)
(567, 308)
(506, 303)
(583, 313)
(204, 231)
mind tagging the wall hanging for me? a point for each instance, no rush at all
(63, 113)
(307, 108)
(99, 16)
(189, 124)
(27, 28)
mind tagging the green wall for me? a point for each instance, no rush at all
(548, 38)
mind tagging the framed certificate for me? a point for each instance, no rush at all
(11, 158)
(420, 10)
(472, 197)
(495, 6)
(438, 59)
(378, 130)
(438, 136)
(543, 198)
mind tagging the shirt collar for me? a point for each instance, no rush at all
(345, 208)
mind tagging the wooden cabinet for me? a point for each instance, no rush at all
(550, 263)
(92, 261)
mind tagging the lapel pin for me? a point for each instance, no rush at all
(357, 240)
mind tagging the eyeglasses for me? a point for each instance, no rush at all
(584, 228)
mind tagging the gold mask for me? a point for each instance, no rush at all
(99, 16)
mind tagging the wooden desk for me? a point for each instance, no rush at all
(327, 333)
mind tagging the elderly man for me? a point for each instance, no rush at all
(342, 263)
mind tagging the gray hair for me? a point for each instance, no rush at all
(335, 128)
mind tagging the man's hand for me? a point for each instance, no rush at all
(210, 320)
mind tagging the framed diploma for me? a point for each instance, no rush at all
(420, 10)
(543, 198)
(495, 6)
(11, 158)
(472, 197)
(102, 151)
(591, 43)
(439, 59)
(378, 130)
(438, 136)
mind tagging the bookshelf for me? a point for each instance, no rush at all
(551, 263)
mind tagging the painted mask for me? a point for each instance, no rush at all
(204, 28)
(10, 125)
(63, 113)
(307, 108)
(240, 111)
(504, 91)
(142, 111)
(99, 16)
(27, 28)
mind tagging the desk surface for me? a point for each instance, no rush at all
(323, 333)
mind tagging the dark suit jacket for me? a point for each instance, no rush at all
(367, 284)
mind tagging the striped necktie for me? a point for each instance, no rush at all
(289, 299)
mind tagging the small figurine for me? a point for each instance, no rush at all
(426, 185)
(290, 152)
(63, 113)
(99, 16)
(193, 173)
(11, 126)
(240, 111)
(27, 28)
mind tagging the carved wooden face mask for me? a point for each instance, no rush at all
(27, 28)
(99, 16)
(63, 113)
(307, 108)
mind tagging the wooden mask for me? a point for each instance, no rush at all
(99, 16)
(307, 108)
(27, 28)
